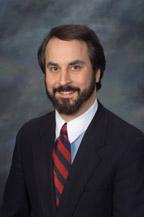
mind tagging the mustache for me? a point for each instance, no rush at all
(66, 88)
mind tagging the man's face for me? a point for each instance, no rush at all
(70, 80)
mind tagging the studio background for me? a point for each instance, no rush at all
(23, 25)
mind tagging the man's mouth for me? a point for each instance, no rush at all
(65, 94)
(66, 91)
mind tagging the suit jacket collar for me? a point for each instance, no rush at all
(85, 162)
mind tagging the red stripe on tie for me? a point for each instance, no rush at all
(60, 166)
(57, 201)
(64, 151)
(58, 184)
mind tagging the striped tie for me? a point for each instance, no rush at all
(62, 162)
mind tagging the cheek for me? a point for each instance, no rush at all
(50, 82)
(83, 82)
(84, 78)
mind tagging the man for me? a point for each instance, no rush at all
(80, 160)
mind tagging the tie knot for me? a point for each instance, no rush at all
(63, 131)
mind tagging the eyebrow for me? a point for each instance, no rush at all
(51, 64)
(77, 62)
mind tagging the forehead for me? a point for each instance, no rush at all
(57, 50)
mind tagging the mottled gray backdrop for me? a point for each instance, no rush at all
(23, 24)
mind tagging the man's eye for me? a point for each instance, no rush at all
(53, 68)
(75, 67)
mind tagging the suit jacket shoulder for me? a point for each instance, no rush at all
(35, 125)
(39, 121)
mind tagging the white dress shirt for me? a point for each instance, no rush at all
(76, 127)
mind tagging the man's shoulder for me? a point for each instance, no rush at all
(39, 122)
(119, 126)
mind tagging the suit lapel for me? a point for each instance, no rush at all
(87, 159)
(43, 164)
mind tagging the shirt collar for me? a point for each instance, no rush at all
(78, 125)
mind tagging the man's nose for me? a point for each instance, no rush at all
(64, 77)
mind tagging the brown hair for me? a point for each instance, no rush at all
(78, 32)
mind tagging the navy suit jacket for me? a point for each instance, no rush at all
(106, 178)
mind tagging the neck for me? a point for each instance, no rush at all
(83, 109)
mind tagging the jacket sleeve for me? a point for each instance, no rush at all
(129, 182)
(15, 198)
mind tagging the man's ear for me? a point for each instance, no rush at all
(98, 75)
